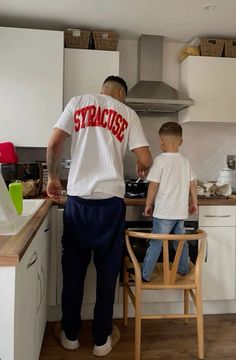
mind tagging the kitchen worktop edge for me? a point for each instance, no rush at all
(13, 247)
(201, 202)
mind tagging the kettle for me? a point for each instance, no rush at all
(227, 176)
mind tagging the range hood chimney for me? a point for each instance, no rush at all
(151, 94)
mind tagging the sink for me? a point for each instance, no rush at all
(30, 206)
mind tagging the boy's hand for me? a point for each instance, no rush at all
(192, 209)
(148, 210)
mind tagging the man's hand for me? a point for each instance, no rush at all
(144, 160)
(141, 170)
(54, 188)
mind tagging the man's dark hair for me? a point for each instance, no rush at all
(171, 128)
(118, 80)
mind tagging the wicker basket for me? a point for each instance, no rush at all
(105, 40)
(211, 47)
(230, 48)
(76, 38)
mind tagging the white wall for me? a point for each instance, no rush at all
(206, 145)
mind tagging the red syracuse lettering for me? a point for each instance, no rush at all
(97, 119)
(116, 126)
(124, 126)
(102, 120)
(83, 114)
(77, 120)
(91, 115)
(111, 118)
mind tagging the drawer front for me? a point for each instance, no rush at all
(217, 216)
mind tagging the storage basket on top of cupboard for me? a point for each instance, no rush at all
(230, 48)
(211, 47)
(105, 40)
(76, 38)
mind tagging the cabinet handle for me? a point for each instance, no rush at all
(47, 229)
(40, 297)
(33, 259)
(217, 216)
(44, 283)
(206, 256)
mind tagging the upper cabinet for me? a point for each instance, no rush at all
(86, 70)
(210, 82)
(31, 86)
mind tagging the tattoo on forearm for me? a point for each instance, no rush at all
(52, 163)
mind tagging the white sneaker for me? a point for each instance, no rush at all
(105, 349)
(61, 337)
(69, 344)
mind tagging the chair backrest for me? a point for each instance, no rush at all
(169, 269)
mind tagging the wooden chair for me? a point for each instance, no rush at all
(165, 277)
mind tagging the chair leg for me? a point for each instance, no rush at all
(138, 316)
(186, 304)
(137, 345)
(125, 296)
(200, 328)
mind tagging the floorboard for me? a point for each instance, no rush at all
(161, 340)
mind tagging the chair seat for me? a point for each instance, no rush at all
(156, 282)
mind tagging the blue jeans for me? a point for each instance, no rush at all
(164, 226)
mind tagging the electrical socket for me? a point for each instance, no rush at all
(65, 164)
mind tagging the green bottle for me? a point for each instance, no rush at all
(15, 191)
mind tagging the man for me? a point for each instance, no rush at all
(101, 127)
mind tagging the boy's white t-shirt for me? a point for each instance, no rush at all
(101, 128)
(173, 173)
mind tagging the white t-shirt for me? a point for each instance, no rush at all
(173, 173)
(101, 129)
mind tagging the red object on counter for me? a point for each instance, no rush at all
(8, 153)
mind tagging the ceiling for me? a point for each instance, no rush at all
(178, 20)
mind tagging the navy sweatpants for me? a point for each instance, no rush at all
(91, 226)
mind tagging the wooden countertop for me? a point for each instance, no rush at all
(13, 247)
(230, 201)
(141, 201)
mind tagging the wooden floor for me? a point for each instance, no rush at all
(161, 340)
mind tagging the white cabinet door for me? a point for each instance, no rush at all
(218, 273)
(31, 86)
(31, 303)
(7, 312)
(26, 304)
(210, 82)
(43, 276)
(85, 71)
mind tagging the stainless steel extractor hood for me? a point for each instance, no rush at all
(151, 94)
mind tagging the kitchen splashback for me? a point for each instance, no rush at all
(205, 145)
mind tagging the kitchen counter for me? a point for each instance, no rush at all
(230, 201)
(141, 201)
(13, 247)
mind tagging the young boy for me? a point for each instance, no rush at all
(171, 182)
